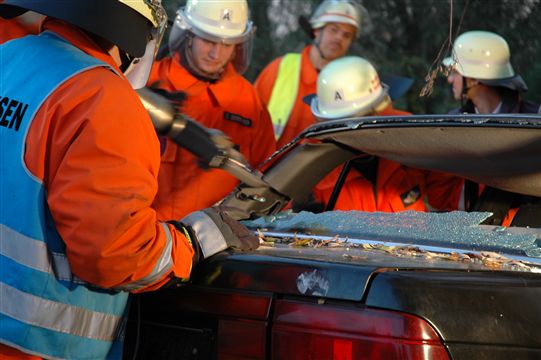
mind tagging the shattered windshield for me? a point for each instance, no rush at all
(455, 230)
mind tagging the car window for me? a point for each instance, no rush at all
(457, 229)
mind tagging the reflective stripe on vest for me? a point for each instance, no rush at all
(44, 309)
(284, 92)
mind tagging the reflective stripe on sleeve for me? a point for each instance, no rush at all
(209, 237)
(59, 317)
(162, 267)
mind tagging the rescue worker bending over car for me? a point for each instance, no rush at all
(210, 47)
(484, 81)
(79, 165)
(287, 80)
(350, 87)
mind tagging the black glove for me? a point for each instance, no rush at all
(176, 98)
(212, 230)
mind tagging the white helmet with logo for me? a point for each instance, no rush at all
(484, 56)
(338, 11)
(220, 21)
(347, 87)
(135, 26)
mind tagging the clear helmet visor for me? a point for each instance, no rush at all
(184, 26)
(138, 71)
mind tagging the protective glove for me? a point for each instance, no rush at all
(211, 230)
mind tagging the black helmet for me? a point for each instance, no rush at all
(129, 24)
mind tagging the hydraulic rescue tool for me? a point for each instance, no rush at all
(214, 149)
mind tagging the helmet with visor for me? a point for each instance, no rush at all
(135, 26)
(226, 22)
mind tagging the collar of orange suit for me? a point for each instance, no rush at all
(309, 72)
(80, 39)
(384, 173)
(224, 90)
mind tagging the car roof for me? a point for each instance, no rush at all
(501, 151)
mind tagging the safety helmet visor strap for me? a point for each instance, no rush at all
(138, 71)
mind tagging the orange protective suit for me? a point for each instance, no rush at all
(94, 146)
(301, 117)
(13, 28)
(397, 187)
(230, 105)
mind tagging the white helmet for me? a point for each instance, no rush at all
(337, 11)
(484, 56)
(346, 87)
(135, 26)
(221, 21)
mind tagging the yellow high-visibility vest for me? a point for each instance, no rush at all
(284, 92)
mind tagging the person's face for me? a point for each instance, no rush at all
(334, 39)
(211, 57)
(456, 81)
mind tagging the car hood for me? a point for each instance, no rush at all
(502, 151)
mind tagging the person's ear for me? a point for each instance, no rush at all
(471, 82)
(317, 34)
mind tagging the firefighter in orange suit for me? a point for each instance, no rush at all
(287, 80)
(210, 46)
(482, 78)
(79, 166)
(348, 87)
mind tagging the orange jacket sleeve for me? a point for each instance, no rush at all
(94, 146)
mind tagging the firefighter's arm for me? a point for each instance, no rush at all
(212, 230)
(102, 157)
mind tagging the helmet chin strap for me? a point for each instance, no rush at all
(464, 98)
(125, 59)
(316, 44)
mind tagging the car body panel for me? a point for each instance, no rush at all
(479, 310)
(475, 307)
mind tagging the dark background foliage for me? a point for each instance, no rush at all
(407, 38)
